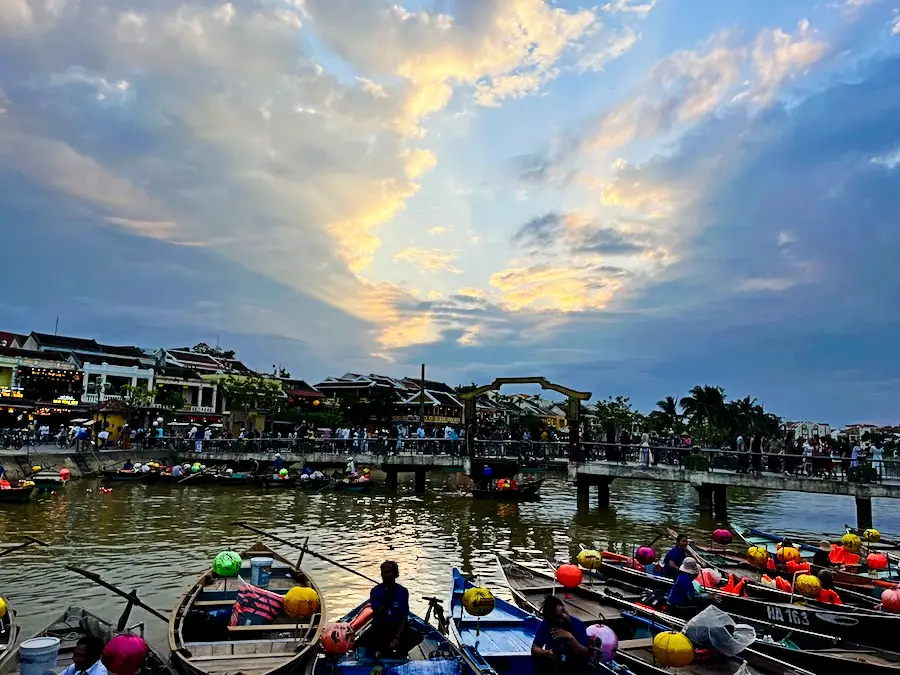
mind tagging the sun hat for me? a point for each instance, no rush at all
(690, 566)
(825, 546)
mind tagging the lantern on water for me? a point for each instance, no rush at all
(478, 601)
(673, 650)
(337, 638)
(851, 542)
(722, 536)
(569, 576)
(788, 554)
(890, 600)
(645, 555)
(757, 556)
(125, 654)
(281, 472)
(2, 608)
(300, 602)
(590, 559)
(604, 640)
(808, 585)
(876, 561)
(872, 535)
(227, 564)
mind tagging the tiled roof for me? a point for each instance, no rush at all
(65, 343)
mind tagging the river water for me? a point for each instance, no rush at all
(158, 539)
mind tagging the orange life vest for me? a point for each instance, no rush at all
(841, 556)
(734, 588)
(793, 567)
(783, 584)
(829, 596)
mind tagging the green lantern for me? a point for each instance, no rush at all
(227, 564)
(195, 468)
(283, 472)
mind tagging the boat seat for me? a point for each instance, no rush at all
(228, 657)
(640, 643)
(188, 645)
(269, 627)
(214, 603)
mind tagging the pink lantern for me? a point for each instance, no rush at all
(125, 654)
(645, 555)
(65, 474)
(604, 640)
(890, 600)
(709, 578)
(722, 536)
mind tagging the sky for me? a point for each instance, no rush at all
(632, 197)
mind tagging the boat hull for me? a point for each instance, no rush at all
(122, 477)
(17, 495)
(528, 492)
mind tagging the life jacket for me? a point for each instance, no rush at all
(793, 567)
(255, 605)
(770, 564)
(841, 556)
(767, 581)
(783, 584)
(829, 596)
(734, 588)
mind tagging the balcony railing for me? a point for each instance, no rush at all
(203, 409)
(98, 398)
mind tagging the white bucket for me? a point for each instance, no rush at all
(38, 655)
(260, 571)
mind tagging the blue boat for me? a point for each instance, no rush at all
(501, 640)
(434, 656)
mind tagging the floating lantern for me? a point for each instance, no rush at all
(337, 638)
(890, 600)
(722, 536)
(300, 602)
(757, 556)
(788, 554)
(709, 578)
(569, 575)
(808, 585)
(478, 601)
(673, 650)
(590, 559)
(645, 555)
(851, 542)
(227, 564)
(876, 561)
(872, 535)
(65, 474)
(125, 654)
(604, 640)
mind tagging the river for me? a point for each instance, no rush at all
(158, 539)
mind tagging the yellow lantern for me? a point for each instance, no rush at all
(788, 554)
(589, 560)
(851, 542)
(478, 601)
(36, 468)
(872, 535)
(673, 650)
(2, 608)
(808, 585)
(757, 556)
(301, 602)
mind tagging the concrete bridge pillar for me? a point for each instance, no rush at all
(391, 479)
(583, 492)
(863, 513)
(706, 498)
(420, 482)
(720, 502)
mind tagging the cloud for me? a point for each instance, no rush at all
(639, 7)
(575, 233)
(428, 259)
(895, 26)
(889, 160)
(566, 288)
(613, 47)
(778, 56)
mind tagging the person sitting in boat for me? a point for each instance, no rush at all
(318, 475)
(86, 657)
(828, 595)
(128, 466)
(365, 478)
(304, 477)
(561, 642)
(177, 471)
(685, 595)
(820, 558)
(487, 475)
(389, 636)
(675, 557)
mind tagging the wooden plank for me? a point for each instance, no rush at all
(269, 627)
(640, 643)
(214, 603)
(281, 657)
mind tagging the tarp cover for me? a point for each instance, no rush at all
(714, 628)
(436, 667)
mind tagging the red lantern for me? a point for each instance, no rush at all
(877, 561)
(890, 600)
(65, 474)
(337, 638)
(722, 536)
(569, 576)
(645, 555)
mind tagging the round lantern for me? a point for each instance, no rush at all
(876, 561)
(872, 535)
(851, 542)
(227, 564)
(36, 468)
(808, 585)
(65, 473)
(673, 650)
(590, 560)
(337, 638)
(478, 601)
(645, 555)
(722, 536)
(281, 472)
(195, 468)
(890, 600)
(709, 578)
(125, 654)
(788, 554)
(2, 608)
(300, 602)
(569, 576)
(604, 640)
(757, 556)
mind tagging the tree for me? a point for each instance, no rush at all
(705, 406)
(135, 397)
(666, 413)
(618, 412)
(282, 372)
(203, 348)
(170, 399)
(251, 393)
(465, 388)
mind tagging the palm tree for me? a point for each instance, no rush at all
(705, 405)
(669, 409)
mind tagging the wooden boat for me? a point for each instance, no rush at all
(76, 623)
(356, 487)
(313, 483)
(122, 476)
(435, 650)
(236, 479)
(9, 632)
(200, 645)
(17, 495)
(527, 492)
(49, 481)
(274, 481)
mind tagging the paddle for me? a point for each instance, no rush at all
(193, 475)
(131, 597)
(17, 547)
(304, 549)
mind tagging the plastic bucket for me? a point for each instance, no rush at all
(38, 655)
(260, 571)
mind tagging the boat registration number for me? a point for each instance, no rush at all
(794, 617)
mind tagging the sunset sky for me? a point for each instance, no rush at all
(630, 198)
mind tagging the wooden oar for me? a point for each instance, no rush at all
(29, 541)
(131, 597)
(189, 476)
(304, 549)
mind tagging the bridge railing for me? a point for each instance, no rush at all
(349, 446)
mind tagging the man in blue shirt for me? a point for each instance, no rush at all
(561, 642)
(86, 658)
(675, 557)
(390, 635)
